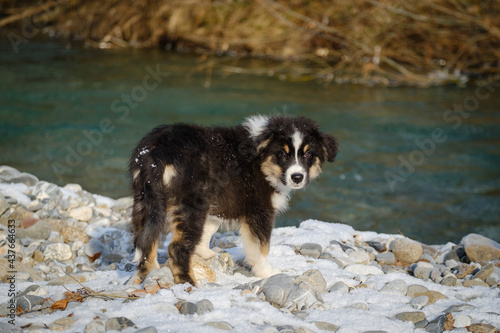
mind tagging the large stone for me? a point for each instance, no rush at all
(277, 288)
(395, 287)
(57, 251)
(485, 272)
(13, 176)
(386, 258)
(48, 193)
(303, 296)
(73, 234)
(62, 324)
(423, 270)
(201, 270)
(83, 214)
(40, 230)
(311, 250)
(315, 278)
(119, 324)
(479, 248)
(407, 250)
(161, 276)
(414, 316)
(97, 325)
(28, 302)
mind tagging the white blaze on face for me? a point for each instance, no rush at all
(296, 169)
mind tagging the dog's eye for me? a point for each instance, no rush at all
(284, 154)
(307, 154)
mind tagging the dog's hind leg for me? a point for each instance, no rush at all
(210, 227)
(187, 228)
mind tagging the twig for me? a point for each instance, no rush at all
(27, 13)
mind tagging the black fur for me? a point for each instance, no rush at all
(227, 173)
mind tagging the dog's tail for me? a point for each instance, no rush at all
(148, 212)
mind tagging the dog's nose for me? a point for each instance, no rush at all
(297, 178)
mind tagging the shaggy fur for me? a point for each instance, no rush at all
(189, 179)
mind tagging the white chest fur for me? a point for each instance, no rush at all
(280, 201)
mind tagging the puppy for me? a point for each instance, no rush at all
(188, 180)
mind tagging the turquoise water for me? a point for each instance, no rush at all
(408, 163)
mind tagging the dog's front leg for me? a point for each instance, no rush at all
(256, 237)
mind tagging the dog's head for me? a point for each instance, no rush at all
(291, 150)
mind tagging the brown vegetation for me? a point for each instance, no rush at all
(385, 42)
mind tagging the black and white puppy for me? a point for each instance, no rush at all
(188, 180)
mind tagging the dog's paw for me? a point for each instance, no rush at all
(205, 253)
(264, 271)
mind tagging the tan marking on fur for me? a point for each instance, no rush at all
(271, 169)
(287, 149)
(264, 249)
(151, 261)
(263, 145)
(168, 174)
(315, 169)
(255, 252)
(306, 148)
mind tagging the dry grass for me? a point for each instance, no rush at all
(386, 42)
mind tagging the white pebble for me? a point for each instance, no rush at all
(462, 320)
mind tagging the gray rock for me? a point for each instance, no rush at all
(479, 248)
(161, 275)
(386, 258)
(325, 326)
(342, 245)
(461, 307)
(28, 302)
(360, 257)
(325, 255)
(376, 245)
(395, 287)
(188, 308)
(416, 289)
(436, 326)
(285, 329)
(204, 306)
(119, 324)
(10, 175)
(303, 296)
(277, 288)
(485, 272)
(414, 316)
(407, 250)
(449, 280)
(311, 250)
(48, 193)
(462, 320)
(34, 290)
(57, 251)
(339, 287)
(422, 270)
(419, 302)
(221, 325)
(422, 324)
(315, 278)
(62, 324)
(39, 230)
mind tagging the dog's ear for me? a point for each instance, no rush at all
(330, 147)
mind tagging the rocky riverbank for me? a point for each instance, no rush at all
(71, 253)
